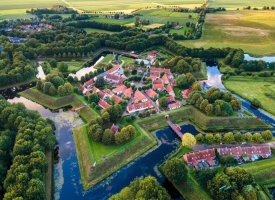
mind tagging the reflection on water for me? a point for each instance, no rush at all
(214, 77)
(41, 73)
(86, 70)
(265, 58)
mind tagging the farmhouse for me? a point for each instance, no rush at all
(194, 159)
(103, 104)
(252, 152)
(140, 106)
(120, 89)
(152, 94)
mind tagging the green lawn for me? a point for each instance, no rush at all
(252, 31)
(72, 66)
(250, 88)
(109, 57)
(94, 30)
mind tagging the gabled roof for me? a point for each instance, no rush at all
(81, 87)
(158, 86)
(101, 94)
(117, 99)
(114, 129)
(119, 89)
(170, 98)
(112, 70)
(156, 69)
(186, 92)
(174, 105)
(95, 89)
(140, 106)
(154, 75)
(87, 93)
(151, 93)
(139, 96)
(165, 78)
(89, 82)
(158, 81)
(128, 92)
(115, 78)
(169, 88)
(103, 104)
(109, 92)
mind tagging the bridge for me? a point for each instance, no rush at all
(174, 127)
(76, 109)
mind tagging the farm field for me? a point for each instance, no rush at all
(253, 31)
(250, 88)
(234, 4)
(122, 6)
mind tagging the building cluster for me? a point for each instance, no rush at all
(36, 27)
(208, 158)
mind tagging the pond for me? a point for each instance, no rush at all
(265, 58)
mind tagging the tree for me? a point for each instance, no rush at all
(238, 137)
(248, 137)
(249, 194)
(46, 87)
(52, 90)
(108, 137)
(156, 63)
(62, 67)
(228, 138)
(175, 170)
(216, 183)
(218, 138)
(75, 79)
(203, 104)
(106, 117)
(39, 85)
(227, 160)
(93, 98)
(203, 176)
(181, 81)
(148, 188)
(141, 63)
(61, 90)
(196, 87)
(209, 109)
(134, 72)
(200, 138)
(99, 82)
(256, 103)
(68, 88)
(267, 135)
(163, 102)
(70, 79)
(57, 81)
(53, 63)
(96, 132)
(257, 137)
(209, 138)
(188, 140)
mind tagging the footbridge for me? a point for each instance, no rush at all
(174, 127)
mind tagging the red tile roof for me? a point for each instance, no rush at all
(95, 89)
(139, 96)
(170, 89)
(89, 82)
(154, 76)
(115, 78)
(128, 92)
(174, 105)
(114, 129)
(101, 94)
(109, 92)
(87, 93)
(158, 86)
(81, 87)
(156, 69)
(140, 106)
(112, 70)
(186, 93)
(151, 93)
(165, 79)
(103, 104)
(193, 158)
(119, 89)
(170, 98)
(159, 81)
(117, 99)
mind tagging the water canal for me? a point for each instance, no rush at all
(66, 172)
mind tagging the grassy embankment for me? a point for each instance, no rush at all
(203, 122)
(253, 31)
(89, 151)
(250, 88)
(18, 84)
(106, 60)
(264, 174)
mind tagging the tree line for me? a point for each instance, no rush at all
(25, 178)
(99, 25)
(230, 138)
(56, 9)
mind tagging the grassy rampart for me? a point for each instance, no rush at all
(203, 122)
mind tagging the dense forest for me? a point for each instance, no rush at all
(24, 137)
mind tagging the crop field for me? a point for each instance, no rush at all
(250, 88)
(253, 31)
(234, 4)
(122, 6)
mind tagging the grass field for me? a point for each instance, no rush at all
(234, 4)
(250, 88)
(253, 31)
